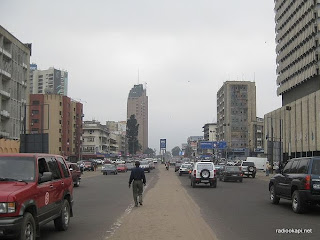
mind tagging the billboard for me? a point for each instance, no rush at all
(163, 143)
(214, 144)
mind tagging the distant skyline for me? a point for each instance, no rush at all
(184, 50)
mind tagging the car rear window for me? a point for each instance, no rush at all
(247, 164)
(232, 168)
(144, 163)
(202, 166)
(316, 167)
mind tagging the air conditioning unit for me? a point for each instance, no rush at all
(31, 124)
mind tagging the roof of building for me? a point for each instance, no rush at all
(136, 91)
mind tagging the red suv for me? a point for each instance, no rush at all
(34, 190)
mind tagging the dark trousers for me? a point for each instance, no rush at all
(137, 190)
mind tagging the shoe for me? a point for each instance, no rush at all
(140, 203)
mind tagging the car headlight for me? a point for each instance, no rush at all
(7, 207)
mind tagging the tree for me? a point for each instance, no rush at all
(132, 134)
(150, 152)
(176, 151)
(188, 151)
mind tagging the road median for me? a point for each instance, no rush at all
(168, 212)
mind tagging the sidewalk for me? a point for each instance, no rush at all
(168, 212)
(262, 175)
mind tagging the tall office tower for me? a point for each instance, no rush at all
(55, 121)
(236, 113)
(294, 126)
(297, 38)
(52, 81)
(138, 105)
(14, 72)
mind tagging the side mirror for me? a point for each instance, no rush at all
(47, 176)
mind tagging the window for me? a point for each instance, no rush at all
(64, 167)
(294, 167)
(34, 112)
(303, 166)
(53, 167)
(287, 167)
(35, 103)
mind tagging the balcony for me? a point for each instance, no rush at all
(5, 74)
(7, 54)
(5, 113)
(5, 94)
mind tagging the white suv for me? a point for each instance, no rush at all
(204, 172)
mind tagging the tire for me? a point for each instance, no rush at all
(253, 175)
(205, 173)
(250, 169)
(214, 184)
(298, 206)
(77, 184)
(62, 222)
(273, 198)
(28, 227)
(193, 184)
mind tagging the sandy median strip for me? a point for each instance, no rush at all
(168, 213)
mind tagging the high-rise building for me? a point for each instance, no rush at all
(14, 72)
(138, 105)
(236, 111)
(293, 129)
(51, 81)
(60, 119)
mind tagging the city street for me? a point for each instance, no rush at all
(99, 204)
(242, 211)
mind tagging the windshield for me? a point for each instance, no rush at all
(144, 162)
(247, 164)
(234, 169)
(109, 166)
(18, 168)
(185, 165)
(202, 166)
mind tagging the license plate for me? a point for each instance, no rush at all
(205, 181)
(316, 186)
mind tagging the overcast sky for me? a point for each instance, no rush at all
(185, 50)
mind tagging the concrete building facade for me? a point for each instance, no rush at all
(236, 113)
(210, 134)
(14, 72)
(61, 118)
(293, 130)
(138, 105)
(52, 81)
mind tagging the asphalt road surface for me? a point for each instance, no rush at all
(242, 211)
(99, 204)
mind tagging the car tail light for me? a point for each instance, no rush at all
(215, 172)
(307, 183)
(194, 172)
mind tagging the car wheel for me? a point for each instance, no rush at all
(273, 198)
(298, 206)
(62, 222)
(77, 184)
(213, 184)
(28, 227)
(205, 173)
(193, 183)
(250, 169)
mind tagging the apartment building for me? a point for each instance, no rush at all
(52, 81)
(14, 72)
(119, 130)
(236, 112)
(56, 122)
(138, 105)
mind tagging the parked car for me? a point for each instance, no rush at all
(232, 173)
(120, 161)
(145, 165)
(299, 182)
(219, 168)
(122, 168)
(109, 169)
(185, 168)
(75, 172)
(204, 172)
(248, 169)
(29, 183)
(151, 165)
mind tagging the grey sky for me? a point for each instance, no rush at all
(185, 50)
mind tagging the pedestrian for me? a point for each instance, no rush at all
(139, 179)
(267, 169)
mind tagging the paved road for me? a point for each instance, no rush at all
(99, 204)
(242, 211)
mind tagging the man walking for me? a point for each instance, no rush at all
(139, 179)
